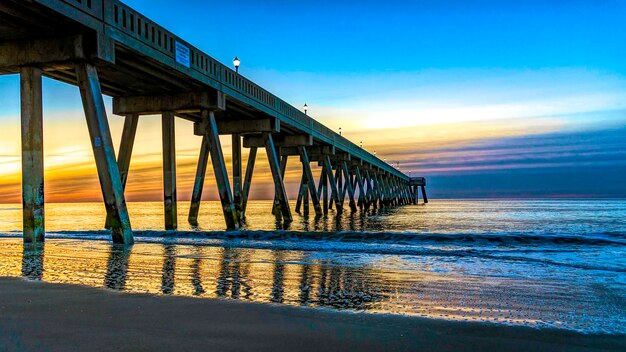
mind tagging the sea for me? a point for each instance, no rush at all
(541, 263)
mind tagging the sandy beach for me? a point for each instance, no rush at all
(39, 316)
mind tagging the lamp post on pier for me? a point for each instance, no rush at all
(236, 63)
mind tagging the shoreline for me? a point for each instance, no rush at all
(39, 316)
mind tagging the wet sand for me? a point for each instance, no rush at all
(37, 316)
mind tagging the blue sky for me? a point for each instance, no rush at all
(486, 98)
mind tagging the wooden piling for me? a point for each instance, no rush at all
(108, 171)
(169, 170)
(424, 194)
(32, 155)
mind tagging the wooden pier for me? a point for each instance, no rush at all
(105, 47)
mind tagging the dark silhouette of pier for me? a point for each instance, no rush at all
(105, 47)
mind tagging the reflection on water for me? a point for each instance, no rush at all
(359, 282)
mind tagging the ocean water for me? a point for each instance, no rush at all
(539, 263)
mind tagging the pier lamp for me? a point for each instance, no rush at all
(306, 108)
(385, 159)
(340, 131)
(236, 62)
(374, 153)
(361, 144)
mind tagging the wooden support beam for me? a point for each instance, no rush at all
(333, 184)
(32, 155)
(129, 132)
(198, 185)
(248, 180)
(177, 103)
(423, 187)
(279, 186)
(108, 171)
(221, 174)
(237, 171)
(310, 182)
(242, 127)
(349, 186)
(169, 170)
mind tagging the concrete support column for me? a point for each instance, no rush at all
(310, 183)
(349, 186)
(333, 184)
(126, 150)
(277, 174)
(219, 169)
(32, 155)
(424, 194)
(276, 209)
(237, 172)
(198, 185)
(108, 171)
(248, 181)
(169, 170)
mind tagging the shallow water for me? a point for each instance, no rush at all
(541, 263)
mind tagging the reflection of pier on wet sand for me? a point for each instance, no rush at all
(56, 316)
(339, 281)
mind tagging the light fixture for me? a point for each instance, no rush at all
(306, 108)
(374, 153)
(361, 144)
(340, 131)
(236, 62)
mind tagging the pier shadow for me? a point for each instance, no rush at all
(117, 267)
(32, 261)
